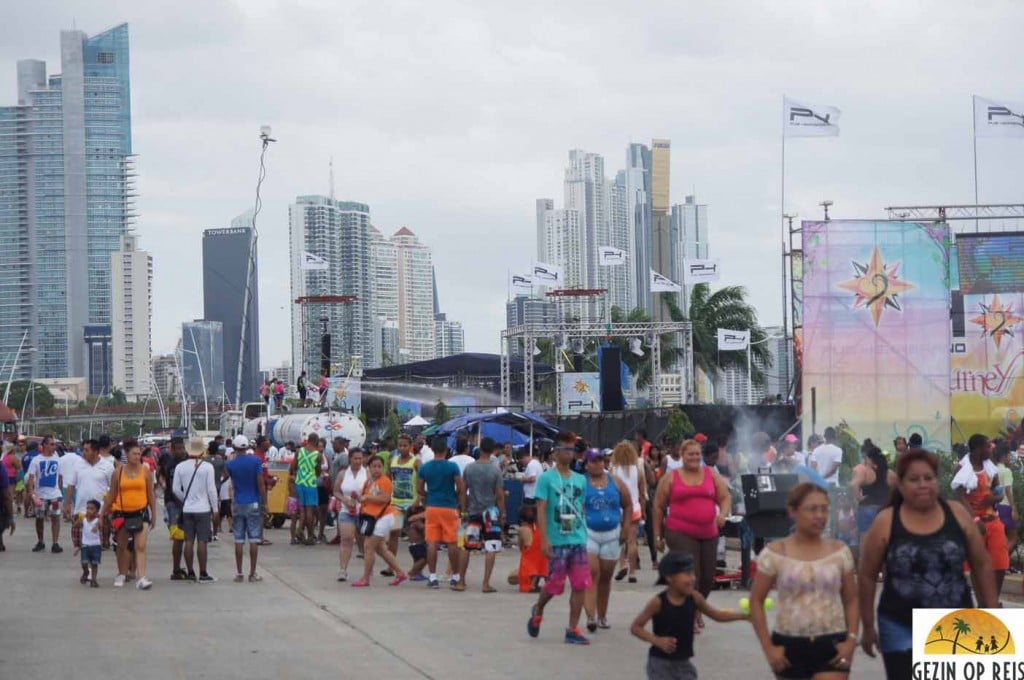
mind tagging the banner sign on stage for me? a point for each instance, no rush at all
(580, 392)
(700, 271)
(345, 394)
(998, 118)
(876, 332)
(663, 284)
(807, 120)
(611, 257)
(730, 341)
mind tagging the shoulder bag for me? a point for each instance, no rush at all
(132, 523)
(367, 522)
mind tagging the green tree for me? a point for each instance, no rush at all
(679, 426)
(441, 413)
(725, 308)
(392, 426)
(28, 395)
(960, 626)
(117, 398)
(640, 365)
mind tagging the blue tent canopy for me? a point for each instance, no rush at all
(523, 423)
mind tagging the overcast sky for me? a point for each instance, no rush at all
(452, 117)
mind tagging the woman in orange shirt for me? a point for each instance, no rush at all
(377, 511)
(132, 502)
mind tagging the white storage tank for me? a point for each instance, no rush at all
(298, 427)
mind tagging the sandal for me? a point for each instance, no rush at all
(488, 589)
(621, 574)
(255, 578)
(398, 579)
(361, 583)
(603, 624)
(239, 578)
(632, 579)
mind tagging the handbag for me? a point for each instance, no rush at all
(132, 523)
(367, 522)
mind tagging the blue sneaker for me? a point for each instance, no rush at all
(575, 637)
(418, 578)
(533, 623)
(433, 583)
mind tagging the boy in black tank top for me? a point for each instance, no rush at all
(673, 612)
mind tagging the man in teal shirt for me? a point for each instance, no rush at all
(563, 538)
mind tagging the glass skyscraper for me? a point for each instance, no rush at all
(66, 198)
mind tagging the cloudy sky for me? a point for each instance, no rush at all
(452, 117)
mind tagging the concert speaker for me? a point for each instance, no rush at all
(611, 379)
(325, 353)
(764, 497)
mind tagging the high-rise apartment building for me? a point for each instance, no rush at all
(616, 279)
(450, 337)
(779, 376)
(66, 178)
(202, 359)
(131, 276)
(226, 254)
(404, 279)
(165, 376)
(339, 233)
(635, 182)
(528, 310)
(689, 237)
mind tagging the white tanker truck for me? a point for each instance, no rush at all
(296, 427)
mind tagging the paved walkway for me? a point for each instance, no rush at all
(299, 623)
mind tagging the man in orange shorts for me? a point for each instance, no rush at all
(982, 499)
(441, 487)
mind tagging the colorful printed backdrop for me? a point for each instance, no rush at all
(580, 392)
(987, 364)
(876, 328)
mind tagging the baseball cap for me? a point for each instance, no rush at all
(700, 437)
(674, 563)
(592, 455)
(790, 438)
(240, 442)
(606, 452)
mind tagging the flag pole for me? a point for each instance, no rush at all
(782, 219)
(974, 125)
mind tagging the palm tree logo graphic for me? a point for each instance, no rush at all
(969, 631)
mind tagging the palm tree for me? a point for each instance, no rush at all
(725, 308)
(640, 366)
(961, 627)
(938, 629)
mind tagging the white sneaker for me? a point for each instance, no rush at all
(119, 581)
(144, 584)
(342, 576)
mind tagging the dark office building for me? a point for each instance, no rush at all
(225, 263)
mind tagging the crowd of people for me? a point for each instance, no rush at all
(583, 514)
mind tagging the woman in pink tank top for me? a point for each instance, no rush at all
(690, 506)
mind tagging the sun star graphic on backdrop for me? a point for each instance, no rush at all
(581, 387)
(996, 320)
(876, 285)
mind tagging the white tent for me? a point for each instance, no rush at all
(417, 421)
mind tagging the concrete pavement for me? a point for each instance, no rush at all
(300, 623)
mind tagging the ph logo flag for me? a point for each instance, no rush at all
(548, 275)
(520, 284)
(700, 271)
(663, 284)
(806, 120)
(610, 257)
(311, 261)
(998, 118)
(729, 341)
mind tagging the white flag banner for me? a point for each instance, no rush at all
(998, 118)
(610, 257)
(311, 261)
(663, 284)
(549, 275)
(700, 271)
(732, 340)
(805, 120)
(520, 284)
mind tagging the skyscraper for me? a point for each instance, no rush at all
(449, 336)
(404, 291)
(339, 233)
(635, 181)
(661, 242)
(202, 359)
(131, 274)
(226, 255)
(528, 310)
(689, 237)
(165, 375)
(66, 175)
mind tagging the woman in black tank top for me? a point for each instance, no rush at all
(875, 495)
(922, 541)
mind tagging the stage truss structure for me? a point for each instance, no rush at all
(325, 300)
(568, 331)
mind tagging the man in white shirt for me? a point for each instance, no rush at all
(65, 467)
(42, 480)
(422, 451)
(88, 481)
(196, 488)
(827, 458)
(531, 472)
(462, 457)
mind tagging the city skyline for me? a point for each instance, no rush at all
(476, 162)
